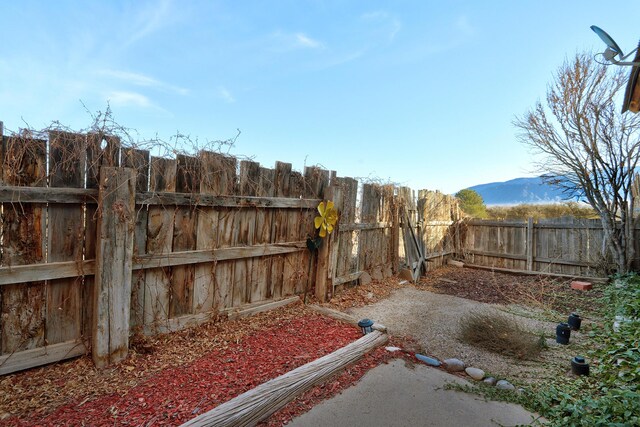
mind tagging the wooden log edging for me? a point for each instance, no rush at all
(257, 404)
(600, 280)
(343, 317)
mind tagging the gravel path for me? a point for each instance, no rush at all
(433, 320)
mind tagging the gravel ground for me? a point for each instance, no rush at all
(433, 321)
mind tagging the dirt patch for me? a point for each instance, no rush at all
(540, 292)
(360, 295)
(431, 312)
(500, 288)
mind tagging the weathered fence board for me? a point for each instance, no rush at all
(261, 286)
(346, 263)
(206, 239)
(114, 254)
(160, 223)
(224, 182)
(138, 160)
(184, 237)
(279, 226)
(65, 238)
(22, 307)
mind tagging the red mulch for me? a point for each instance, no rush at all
(178, 394)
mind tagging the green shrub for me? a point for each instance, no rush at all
(610, 396)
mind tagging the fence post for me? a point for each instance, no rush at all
(530, 246)
(333, 238)
(323, 281)
(395, 232)
(114, 252)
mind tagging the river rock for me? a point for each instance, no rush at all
(453, 365)
(475, 373)
(490, 381)
(388, 271)
(428, 360)
(505, 385)
(365, 278)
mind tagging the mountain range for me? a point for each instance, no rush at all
(519, 190)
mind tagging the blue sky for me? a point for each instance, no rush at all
(422, 93)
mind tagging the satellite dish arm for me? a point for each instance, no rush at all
(622, 59)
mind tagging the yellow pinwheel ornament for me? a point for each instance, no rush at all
(327, 218)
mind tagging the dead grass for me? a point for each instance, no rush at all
(540, 292)
(500, 334)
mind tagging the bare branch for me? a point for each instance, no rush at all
(588, 147)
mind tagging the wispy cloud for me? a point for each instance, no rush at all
(129, 99)
(142, 80)
(150, 19)
(306, 41)
(285, 41)
(374, 15)
(226, 95)
(389, 22)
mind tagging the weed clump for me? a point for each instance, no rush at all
(499, 334)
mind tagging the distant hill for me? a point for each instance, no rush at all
(519, 190)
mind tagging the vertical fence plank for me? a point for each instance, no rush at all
(316, 181)
(262, 266)
(366, 216)
(184, 237)
(65, 237)
(114, 263)
(346, 261)
(22, 306)
(249, 183)
(395, 234)
(206, 238)
(279, 227)
(323, 282)
(221, 178)
(334, 240)
(530, 245)
(160, 224)
(138, 160)
(294, 271)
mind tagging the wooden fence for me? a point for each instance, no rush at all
(369, 242)
(101, 241)
(567, 246)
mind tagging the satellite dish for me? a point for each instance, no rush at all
(607, 39)
(613, 49)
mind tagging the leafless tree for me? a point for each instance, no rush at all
(588, 147)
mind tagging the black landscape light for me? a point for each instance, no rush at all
(574, 321)
(579, 366)
(366, 325)
(563, 333)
